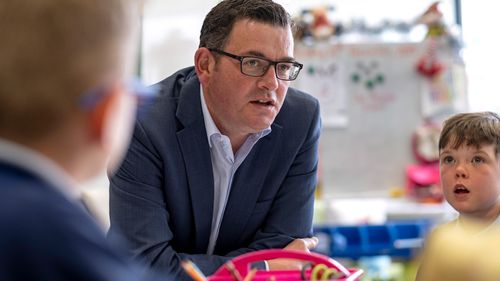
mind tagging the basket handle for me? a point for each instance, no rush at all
(242, 263)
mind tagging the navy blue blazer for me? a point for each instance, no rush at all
(161, 198)
(44, 236)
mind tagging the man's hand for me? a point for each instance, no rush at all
(301, 244)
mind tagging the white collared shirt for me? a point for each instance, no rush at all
(224, 166)
(40, 165)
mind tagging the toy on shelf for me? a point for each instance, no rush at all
(321, 27)
(315, 24)
(425, 143)
(423, 180)
(429, 64)
(433, 19)
(423, 183)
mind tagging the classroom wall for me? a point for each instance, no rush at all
(373, 99)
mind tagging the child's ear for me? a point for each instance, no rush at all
(101, 112)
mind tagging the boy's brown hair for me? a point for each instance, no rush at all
(472, 129)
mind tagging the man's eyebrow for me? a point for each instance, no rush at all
(261, 55)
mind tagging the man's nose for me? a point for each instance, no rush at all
(269, 81)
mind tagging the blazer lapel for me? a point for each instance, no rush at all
(195, 150)
(246, 187)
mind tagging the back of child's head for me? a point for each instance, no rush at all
(54, 50)
(471, 129)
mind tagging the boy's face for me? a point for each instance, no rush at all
(470, 180)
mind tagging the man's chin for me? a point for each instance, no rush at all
(260, 128)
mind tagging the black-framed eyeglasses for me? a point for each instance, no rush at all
(257, 67)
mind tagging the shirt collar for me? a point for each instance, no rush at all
(40, 165)
(210, 126)
(212, 129)
(495, 223)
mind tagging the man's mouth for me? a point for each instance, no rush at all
(460, 189)
(264, 102)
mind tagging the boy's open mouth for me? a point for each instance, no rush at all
(460, 188)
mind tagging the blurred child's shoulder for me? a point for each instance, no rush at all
(445, 227)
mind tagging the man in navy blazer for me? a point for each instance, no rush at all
(226, 161)
(63, 110)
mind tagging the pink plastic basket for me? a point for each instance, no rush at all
(242, 265)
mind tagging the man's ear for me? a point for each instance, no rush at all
(204, 63)
(101, 112)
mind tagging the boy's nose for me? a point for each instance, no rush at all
(460, 173)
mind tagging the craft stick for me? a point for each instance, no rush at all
(234, 272)
(250, 275)
(193, 271)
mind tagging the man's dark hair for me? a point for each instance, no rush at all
(220, 20)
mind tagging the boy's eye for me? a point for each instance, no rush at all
(447, 160)
(477, 160)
